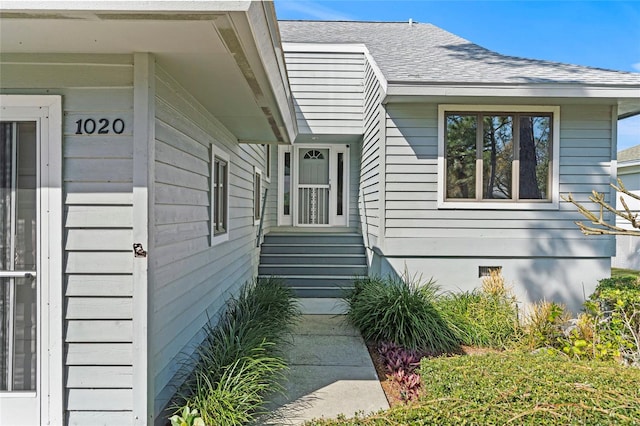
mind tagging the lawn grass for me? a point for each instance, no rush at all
(516, 388)
(620, 272)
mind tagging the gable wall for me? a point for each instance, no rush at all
(370, 161)
(327, 91)
(191, 280)
(97, 175)
(416, 227)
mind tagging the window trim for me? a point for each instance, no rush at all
(551, 204)
(257, 195)
(267, 162)
(222, 236)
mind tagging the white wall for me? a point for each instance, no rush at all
(415, 227)
(190, 280)
(97, 173)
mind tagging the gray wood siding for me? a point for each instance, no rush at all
(328, 91)
(414, 224)
(97, 174)
(189, 279)
(369, 179)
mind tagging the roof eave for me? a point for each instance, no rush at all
(627, 97)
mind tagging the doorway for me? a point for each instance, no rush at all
(313, 185)
(30, 266)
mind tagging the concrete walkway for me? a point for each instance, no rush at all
(331, 373)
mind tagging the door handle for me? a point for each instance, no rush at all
(17, 274)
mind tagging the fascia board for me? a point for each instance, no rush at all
(132, 6)
(543, 90)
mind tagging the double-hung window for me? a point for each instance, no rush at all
(257, 195)
(498, 157)
(219, 196)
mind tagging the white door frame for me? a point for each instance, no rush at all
(46, 111)
(292, 218)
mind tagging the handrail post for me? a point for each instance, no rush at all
(264, 204)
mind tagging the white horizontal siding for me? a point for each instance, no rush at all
(414, 224)
(328, 91)
(97, 175)
(190, 280)
(369, 185)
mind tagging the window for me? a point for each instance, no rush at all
(257, 195)
(219, 196)
(498, 155)
(267, 162)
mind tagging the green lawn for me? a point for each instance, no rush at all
(517, 388)
(619, 272)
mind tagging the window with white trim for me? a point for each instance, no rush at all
(219, 196)
(257, 194)
(267, 162)
(498, 155)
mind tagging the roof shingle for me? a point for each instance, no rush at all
(424, 53)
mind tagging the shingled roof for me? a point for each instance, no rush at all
(424, 53)
(629, 154)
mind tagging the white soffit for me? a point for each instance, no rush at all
(186, 43)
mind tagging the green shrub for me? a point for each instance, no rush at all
(401, 311)
(486, 320)
(615, 309)
(543, 325)
(240, 361)
(516, 388)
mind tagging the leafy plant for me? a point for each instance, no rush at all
(515, 388)
(187, 418)
(401, 365)
(401, 311)
(543, 325)
(481, 318)
(615, 307)
(240, 360)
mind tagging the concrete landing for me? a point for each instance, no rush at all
(331, 373)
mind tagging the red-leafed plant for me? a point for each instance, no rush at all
(401, 365)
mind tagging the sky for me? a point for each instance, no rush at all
(604, 34)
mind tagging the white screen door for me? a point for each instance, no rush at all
(25, 208)
(313, 186)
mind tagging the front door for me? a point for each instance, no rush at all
(24, 298)
(313, 189)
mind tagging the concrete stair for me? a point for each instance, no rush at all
(315, 265)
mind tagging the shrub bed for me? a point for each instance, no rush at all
(240, 359)
(517, 388)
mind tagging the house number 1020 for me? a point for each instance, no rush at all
(102, 126)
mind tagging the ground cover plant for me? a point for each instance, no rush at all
(485, 317)
(516, 388)
(557, 368)
(401, 311)
(240, 360)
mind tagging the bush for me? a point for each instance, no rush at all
(615, 309)
(516, 388)
(543, 325)
(239, 361)
(401, 311)
(486, 317)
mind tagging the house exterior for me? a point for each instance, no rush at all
(147, 147)
(627, 246)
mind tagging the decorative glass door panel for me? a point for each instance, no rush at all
(313, 187)
(18, 275)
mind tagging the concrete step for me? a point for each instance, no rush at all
(329, 281)
(313, 259)
(313, 239)
(273, 248)
(281, 270)
(320, 292)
